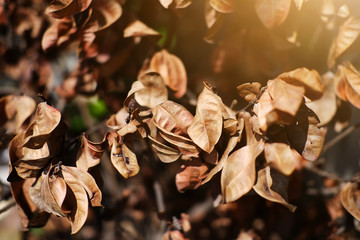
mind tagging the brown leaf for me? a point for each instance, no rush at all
(173, 71)
(348, 33)
(347, 197)
(78, 214)
(352, 85)
(281, 157)
(339, 83)
(166, 3)
(185, 145)
(89, 153)
(310, 80)
(238, 174)
(58, 33)
(211, 15)
(139, 29)
(65, 8)
(30, 215)
(154, 91)
(285, 97)
(191, 175)
(165, 153)
(123, 158)
(104, 13)
(249, 91)
(172, 116)
(206, 128)
(14, 110)
(85, 180)
(223, 6)
(264, 183)
(42, 196)
(305, 136)
(219, 166)
(272, 13)
(328, 99)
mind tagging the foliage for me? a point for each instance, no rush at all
(291, 86)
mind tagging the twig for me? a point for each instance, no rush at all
(250, 104)
(159, 197)
(7, 207)
(339, 137)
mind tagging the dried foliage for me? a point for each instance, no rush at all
(139, 78)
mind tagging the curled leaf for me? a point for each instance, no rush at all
(65, 8)
(139, 29)
(154, 91)
(223, 6)
(347, 198)
(191, 175)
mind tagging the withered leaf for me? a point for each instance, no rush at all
(211, 15)
(85, 180)
(281, 157)
(172, 70)
(206, 128)
(65, 8)
(348, 33)
(58, 33)
(285, 97)
(272, 13)
(305, 136)
(172, 116)
(249, 91)
(43, 197)
(123, 158)
(89, 153)
(239, 174)
(78, 214)
(30, 215)
(165, 3)
(264, 185)
(154, 91)
(185, 145)
(139, 29)
(352, 85)
(328, 99)
(191, 175)
(223, 6)
(219, 166)
(310, 80)
(118, 120)
(165, 153)
(14, 110)
(105, 13)
(339, 83)
(347, 198)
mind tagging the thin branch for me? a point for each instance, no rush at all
(7, 207)
(339, 137)
(250, 104)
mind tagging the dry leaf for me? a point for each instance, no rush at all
(123, 158)
(58, 33)
(347, 198)
(272, 13)
(89, 153)
(165, 153)
(154, 91)
(264, 184)
(139, 29)
(352, 85)
(171, 68)
(104, 13)
(223, 6)
(281, 157)
(191, 175)
(310, 80)
(305, 136)
(172, 116)
(65, 8)
(348, 33)
(249, 91)
(239, 174)
(328, 99)
(206, 128)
